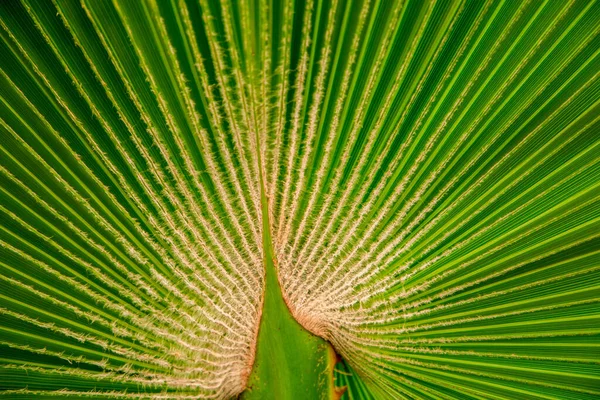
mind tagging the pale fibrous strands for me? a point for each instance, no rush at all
(432, 173)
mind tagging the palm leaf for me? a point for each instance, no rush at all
(204, 199)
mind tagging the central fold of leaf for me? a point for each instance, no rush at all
(290, 362)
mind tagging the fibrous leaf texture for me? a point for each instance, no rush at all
(431, 171)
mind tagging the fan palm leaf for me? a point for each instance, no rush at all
(288, 199)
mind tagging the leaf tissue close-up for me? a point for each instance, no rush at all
(300, 199)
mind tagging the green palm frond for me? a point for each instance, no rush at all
(203, 199)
